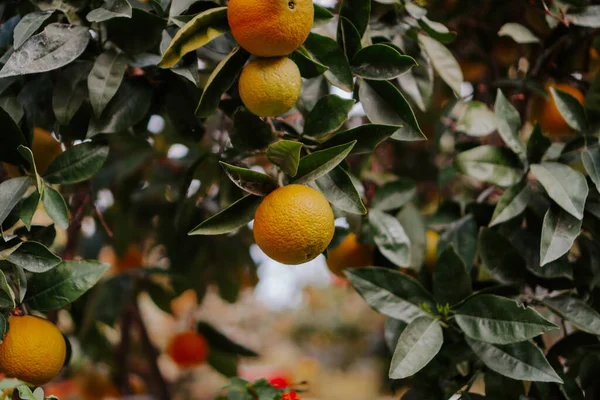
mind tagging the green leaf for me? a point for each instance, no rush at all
(28, 208)
(327, 52)
(390, 238)
(7, 301)
(218, 341)
(476, 120)
(34, 257)
(451, 281)
(394, 195)
(225, 364)
(3, 330)
(348, 37)
(127, 108)
(5, 253)
(591, 161)
(391, 293)
(197, 32)
(63, 285)
(498, 320)
(233, 217)
(414, 226)
(327, 116)
(28, 155)
(338, 188)
(321, 13)
(12, 138)
(566, 186)
(111, 9)
(11, 105)
(384, 104)
(496, 165)
(522, 361)
(443, 62)
(500, 257)
(462, 234)
(367, 137)
(286, 155)
(105, 78)
(585, 16)
(252, 182)
(518, 33)
(577, 312)
(559, 231)
(77, 164)
(70, 91)
(358, 13)
(250, 131)
(11, 192)
(28, 25)
(571, 110)
(418, 344)
(55, 207)
(537, 145)
(498, 387)
(55, 47)
(513, 202)
(436, 30)
(320, 162)
(309, 67)
(381, 62)
(508, 122)
(418, 83)
(220, 81)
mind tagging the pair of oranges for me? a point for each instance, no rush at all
(270, 30)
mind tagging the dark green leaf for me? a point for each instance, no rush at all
(3, 330)
(338, 188)
(105, 78)
(7, 301)
(393, 329)
(225, 364)
(27, 154)
(28, 25)
(252, 182)
(250, 131)
(55, 207)
(571, 110)
(114, 296)
(500, 257)
(309, 68)
(414, 226)
(476, 120)
(537, 145)
(498, 387)
(233, 217)
(559, 231)
(443, 62)
(217, 340)
(496, 165)
(320, 162)
(518, 33)
(418, 344)
(451, 281)
(394, 195)
(12, 138)
(508, 122)
(384, 104)
(521, 361)
(498, 320)
(56, 46)
(28, 208)
(11, 105)
(321, 13)
(513, 202)
(391, 293)
(327, 52)
(11, 192)
(418, 83)
(463, 236)
(367, 137)
(436, 30)
(358, 13)
(381, 62)
(286, 155)
(70, 91)
(348, 37)
(77, 164)
(327, 116)
(111, 9)
(220, 81)
(141, 33)
(64, 284)
(390, 238)
(566, 186)
(34, 257)
(591, 161)
(577, 312)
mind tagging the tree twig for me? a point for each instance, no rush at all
(121, 374)
(81, 200)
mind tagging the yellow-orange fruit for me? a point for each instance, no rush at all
(431, 248)
(188, 349)
(349, 254)
(45, 149)
(269, 28)
(294, 224)
(33, 350)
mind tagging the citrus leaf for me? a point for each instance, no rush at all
(233, 217)
(496, 165)
(591, 161)
(34, 257)
(585, 16)
(518, 33)
(559, 231)
(77, 164)
(221, 342)
(55, 207)
(70, 90)
(462, 234)
(577, 312)
(384, 104)
(197, 32)
(391, 293)
(111, 9)
(28, 25)
(498, 320)
(476, 120)
(11, 192)
(420, 341)
(220, 81)
(537, 145)
(250, 131)
(28, 155)
(7, 301)
(367, 137)
(63, 285)
(358, 13)
(327, 116)
(394, 195)
(348, 37)
(286, 155)
(451, 281)
(309, 67)
(321, 13)
(12, 138)
(390, 238)
(571, 110)
(513, 202)
(381, 62)
(508, 122)
(566, 186)
(436, 30)
(320, 162)
(418, 83)
(28, 208)
(327, 52)
(443, 62)
(521, 361)
(252, 182)
(501, 258)
(105, 78)
(338, 188)
(412, 221)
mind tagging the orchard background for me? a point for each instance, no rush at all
(456, 141)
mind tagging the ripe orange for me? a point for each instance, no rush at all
(546, 113)
(33, 350)
(187, 349)
(270, 86)
(132, 259)
(269, 28)
(45, 149)
(349, 254)
(431, 249)
(294, 224)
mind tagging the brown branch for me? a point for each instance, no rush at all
(121, 375)
(81, 200)
(103, 222)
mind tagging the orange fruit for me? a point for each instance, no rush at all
(45, 149)
(132, 259)
(33, 350)
(431, 248)
(546, 113)
(473, 71)
(349, 254)
(269, 28)
(188, 349)
(270, 86)
(294, 224)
